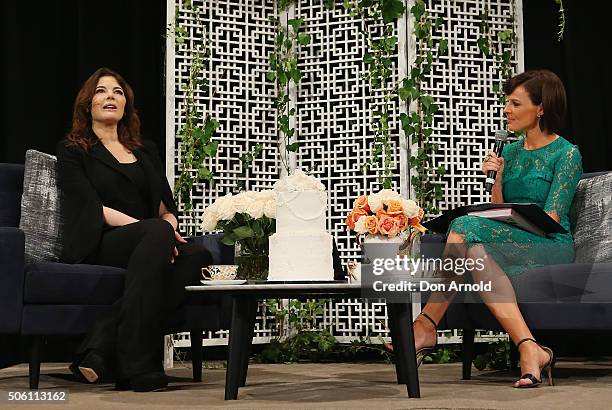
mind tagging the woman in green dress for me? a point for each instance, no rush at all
(542, 168)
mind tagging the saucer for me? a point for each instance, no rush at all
(223, 282)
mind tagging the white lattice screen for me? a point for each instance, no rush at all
(334, 106)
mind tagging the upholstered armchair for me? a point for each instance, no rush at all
(50, 299)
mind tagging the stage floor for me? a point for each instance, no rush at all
(580, 385)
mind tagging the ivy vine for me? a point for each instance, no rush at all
(561, 20)
(381, 45)
(196, 134)
(417, 125)
(283, 66)
(501, 51)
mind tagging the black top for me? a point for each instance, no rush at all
(93, 178)
(135, 202)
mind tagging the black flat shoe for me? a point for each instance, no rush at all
(74, 369)
(153, 381)
(548, 368)
(92, 369)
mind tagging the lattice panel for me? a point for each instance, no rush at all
(334, 106)
(333, 120)
(461, 84)
(241, 38)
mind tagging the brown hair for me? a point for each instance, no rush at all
(81, 134)
(543, 87)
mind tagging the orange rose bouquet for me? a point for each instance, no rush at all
(385, 213)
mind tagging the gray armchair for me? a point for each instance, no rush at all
(49, 299)
(576, 296)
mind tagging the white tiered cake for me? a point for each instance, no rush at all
(301, 248)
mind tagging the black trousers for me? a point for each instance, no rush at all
(130, 337)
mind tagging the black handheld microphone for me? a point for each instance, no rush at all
(500, 139)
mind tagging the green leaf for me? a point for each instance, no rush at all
(391, 10)
(390, 43)
(271, 76)
(243, 232)
(293, 147)
(204, 173)
(442, 47)
(506, 56)
(504, 35)
(295, 75)
(440, 171)
(295, 23)
(303, 39)
(418, 9)
(483, 45)
(367, 58)
(211, 149)
(258, 229)
(404, 94)
(282, 78)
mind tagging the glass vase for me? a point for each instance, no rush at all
(252, 264)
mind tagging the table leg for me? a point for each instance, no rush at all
(402, 377)
(248, 340)
(238, 341)
(400, 318)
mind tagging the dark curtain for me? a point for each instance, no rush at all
(48, 50)
(579, 60)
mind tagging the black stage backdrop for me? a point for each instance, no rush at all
(49, 48)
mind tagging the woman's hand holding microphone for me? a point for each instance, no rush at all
(493, 163)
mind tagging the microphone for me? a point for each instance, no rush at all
(500, 139)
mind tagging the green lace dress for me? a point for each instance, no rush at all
(546, 176)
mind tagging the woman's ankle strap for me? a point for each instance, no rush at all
(525, 340)
(425, 315)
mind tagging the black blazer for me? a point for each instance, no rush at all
(88, 181)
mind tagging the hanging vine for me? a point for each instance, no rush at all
(501, 50)
(377, 25)
(561, 20)
(417, 124)
(196, 134)
(283, 70)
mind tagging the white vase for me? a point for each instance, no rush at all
(381, 247)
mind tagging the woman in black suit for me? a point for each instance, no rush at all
(119, 211)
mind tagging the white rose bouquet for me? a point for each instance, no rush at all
(247, 218)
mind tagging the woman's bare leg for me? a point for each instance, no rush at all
(501, 303)
(436, 307)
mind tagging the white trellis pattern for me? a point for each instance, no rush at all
(333, 121)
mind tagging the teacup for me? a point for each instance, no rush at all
(220, 272)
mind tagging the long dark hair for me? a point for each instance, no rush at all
(81, 134)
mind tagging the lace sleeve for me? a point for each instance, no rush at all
(568, 171)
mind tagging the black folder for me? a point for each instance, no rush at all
(532, 212)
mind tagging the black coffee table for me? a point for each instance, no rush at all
(244, 304)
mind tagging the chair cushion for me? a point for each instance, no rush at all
(41, 220)
(591, 218)
(72, 284)
(11, 186)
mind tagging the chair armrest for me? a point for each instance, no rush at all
(222, 254)
(12, 249)
(432, 245)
